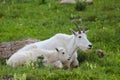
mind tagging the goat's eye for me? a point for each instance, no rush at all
(63, 53)
(79, 36)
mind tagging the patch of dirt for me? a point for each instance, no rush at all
(8, 48)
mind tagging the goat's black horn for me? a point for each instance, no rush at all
(77, 27)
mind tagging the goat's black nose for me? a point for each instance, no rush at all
(90, 46)
(69, 58)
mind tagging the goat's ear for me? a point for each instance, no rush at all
(57, 49)
(73, 31)
(85, 30)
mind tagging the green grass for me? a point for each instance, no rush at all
(21, 19)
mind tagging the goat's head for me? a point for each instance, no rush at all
(81, 40)
(63, 55)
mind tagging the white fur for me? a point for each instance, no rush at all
(68, 42)
(51, 56)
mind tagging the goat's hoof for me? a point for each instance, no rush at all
(75, 66)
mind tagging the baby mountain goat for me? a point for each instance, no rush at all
(50, 56)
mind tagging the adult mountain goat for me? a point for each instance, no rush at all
(50, 57)
(69, 42)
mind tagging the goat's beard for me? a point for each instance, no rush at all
(84, 49)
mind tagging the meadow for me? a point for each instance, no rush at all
(21, 19)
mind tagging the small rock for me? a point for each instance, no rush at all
(100, 53)
(74, 1)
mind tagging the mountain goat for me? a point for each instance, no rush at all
(69, 42)
(50, 56)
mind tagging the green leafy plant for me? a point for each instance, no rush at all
(42, 1)
(80, 5)
(20, 76)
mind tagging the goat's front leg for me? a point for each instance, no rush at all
(66, 64)
(58, 64)
(75, 62)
